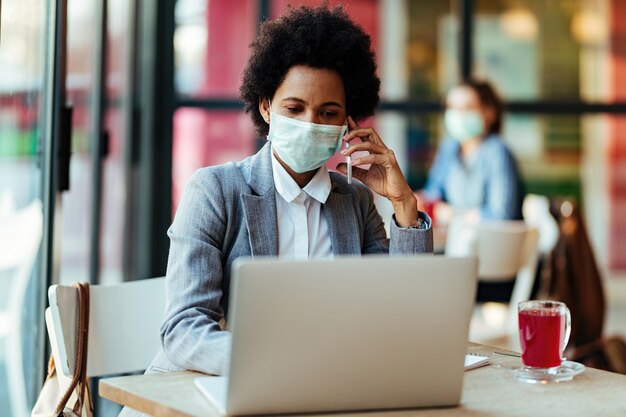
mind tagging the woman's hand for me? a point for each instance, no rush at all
(384, 175)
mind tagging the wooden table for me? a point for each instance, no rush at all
(487, 391)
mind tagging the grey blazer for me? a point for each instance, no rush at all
(229, 211)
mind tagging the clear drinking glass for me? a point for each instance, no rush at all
(544, 329)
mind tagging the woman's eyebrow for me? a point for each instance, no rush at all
(299, 100)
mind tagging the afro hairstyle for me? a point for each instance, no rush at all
(318, 37)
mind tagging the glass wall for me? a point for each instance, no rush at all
(116, 153)
(432, 49)
(22, 111)
(211, 48)
(27, 170)
(534, 49)
(75, 210)
(111, 137)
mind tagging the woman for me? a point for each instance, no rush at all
(311, 74)
(474, 176)
(474, 173)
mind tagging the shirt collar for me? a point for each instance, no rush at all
(318, 188)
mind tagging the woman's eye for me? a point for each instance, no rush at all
(329, 114)
(294, 109)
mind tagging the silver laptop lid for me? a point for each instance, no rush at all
(348, 333)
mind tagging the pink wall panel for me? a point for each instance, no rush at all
(617, 146)
(363, 12)
(201, 137)
(231, 27)
(207, 138)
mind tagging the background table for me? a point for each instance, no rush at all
(487, 391)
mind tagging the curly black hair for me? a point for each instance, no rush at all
(318, 37)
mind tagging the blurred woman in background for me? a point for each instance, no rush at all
(474, 174)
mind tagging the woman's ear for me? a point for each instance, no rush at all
(264, 109)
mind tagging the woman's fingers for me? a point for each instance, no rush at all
(358, 173)
(374, 159)
(384, 175)
(379, 154)
(365, 146)
(366, 134)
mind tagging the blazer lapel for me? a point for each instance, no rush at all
(260, 207)
(345, 235)
(260, 213)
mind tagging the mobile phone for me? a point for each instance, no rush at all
(348, 166)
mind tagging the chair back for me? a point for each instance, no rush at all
(536, 210)
(506, 250)
(124, 326)
(502, 249)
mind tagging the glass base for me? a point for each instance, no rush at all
(566, 372)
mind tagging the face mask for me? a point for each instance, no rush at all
(301, 145)
(464, 125)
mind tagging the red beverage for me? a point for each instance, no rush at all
(429, 208)
(541, 337)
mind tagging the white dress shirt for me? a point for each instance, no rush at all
(302, 228)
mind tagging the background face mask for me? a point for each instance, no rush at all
(463, 125)
(301, 145)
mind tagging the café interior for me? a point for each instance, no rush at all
(108, 107)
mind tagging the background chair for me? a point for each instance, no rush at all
(124, 326)
(536, 211)
(20, 237)
(505, 250)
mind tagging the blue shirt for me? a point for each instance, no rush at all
(488, 180)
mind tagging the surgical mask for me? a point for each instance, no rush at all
(302, 145)
(464, 125)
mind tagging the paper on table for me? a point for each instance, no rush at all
(473, 361)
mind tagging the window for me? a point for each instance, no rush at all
(23, 92)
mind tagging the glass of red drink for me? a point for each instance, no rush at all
(544, 329)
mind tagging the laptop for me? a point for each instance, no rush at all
(348, 333)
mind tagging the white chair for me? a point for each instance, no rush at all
(124, 325)
(536, 211)
(20, 238)
(505, 249)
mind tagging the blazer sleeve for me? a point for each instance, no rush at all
(191, 334)
(405, 240)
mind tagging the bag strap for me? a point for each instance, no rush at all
(82, 335)
(83, 382)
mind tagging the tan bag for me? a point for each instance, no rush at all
(53, 400)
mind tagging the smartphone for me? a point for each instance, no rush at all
(348, 166)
